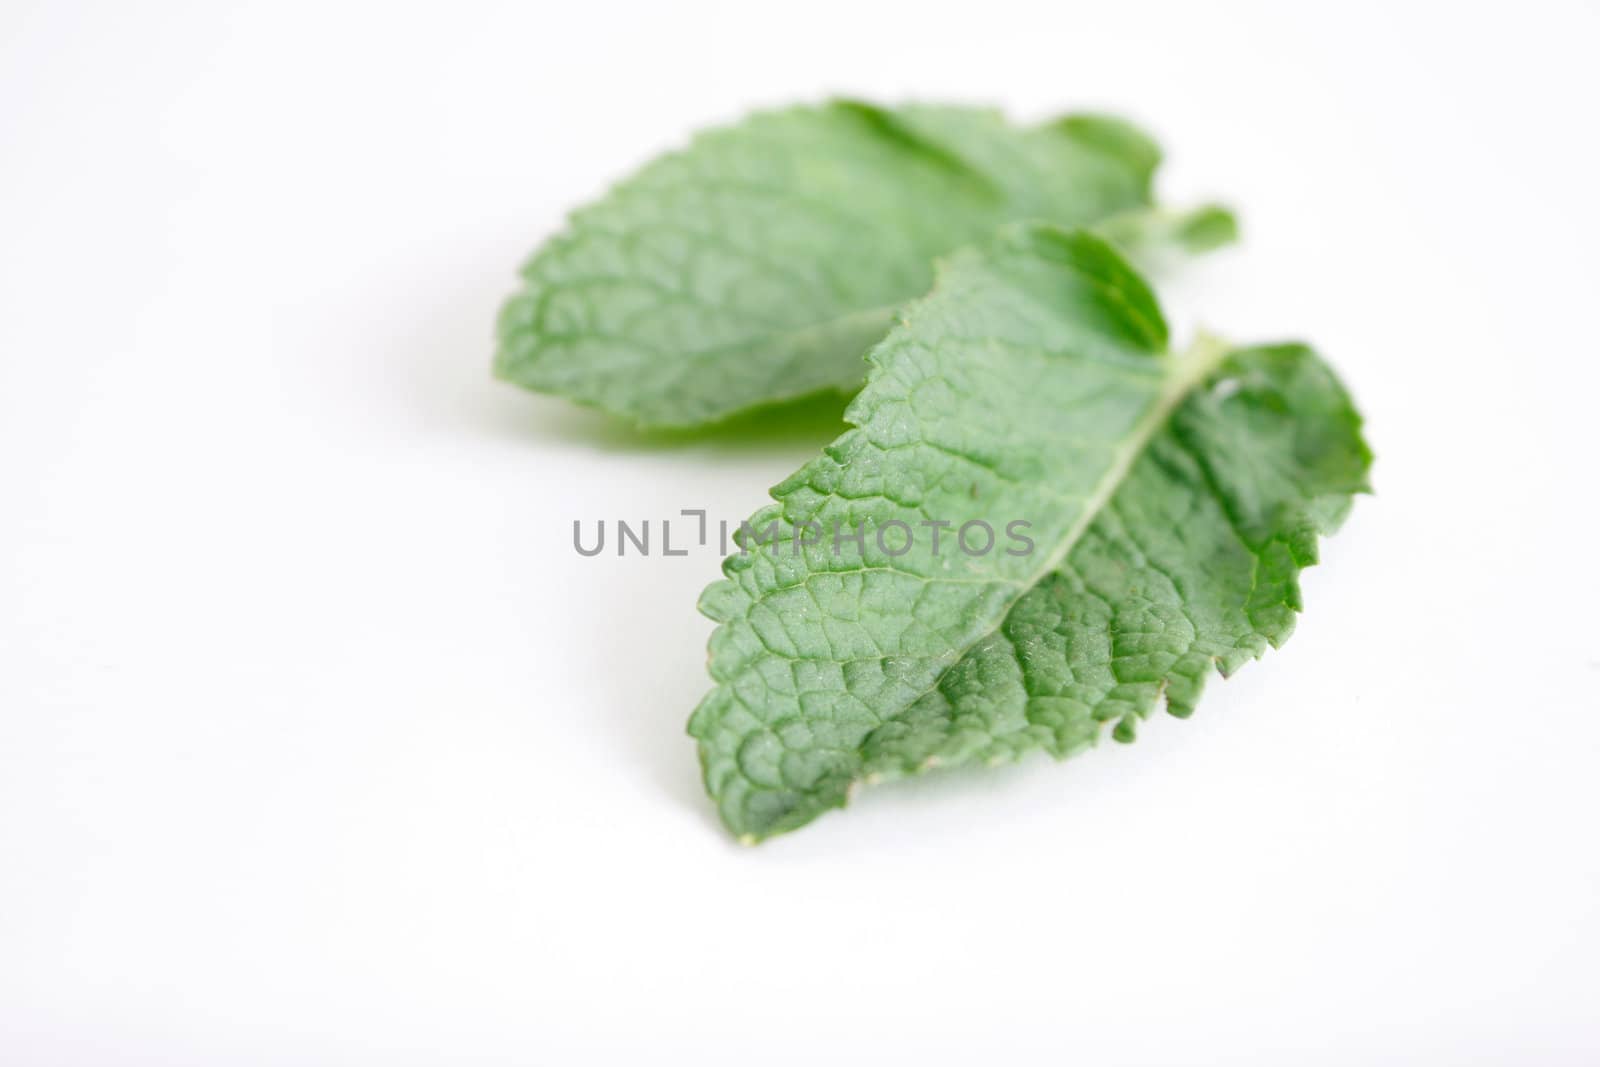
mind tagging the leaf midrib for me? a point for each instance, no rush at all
(1184, 373)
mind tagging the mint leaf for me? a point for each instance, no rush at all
(759, 264)
(1150, 232)
(1173, 500)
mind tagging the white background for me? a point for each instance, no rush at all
(320, 745)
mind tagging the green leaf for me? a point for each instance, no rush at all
(1172, 502)
(1150, 232)
(762, 262)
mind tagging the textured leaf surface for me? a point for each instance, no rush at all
(1173, 501)
(762, 262)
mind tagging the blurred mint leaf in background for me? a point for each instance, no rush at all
(760, 263)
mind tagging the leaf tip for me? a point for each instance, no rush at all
(1208, 227)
